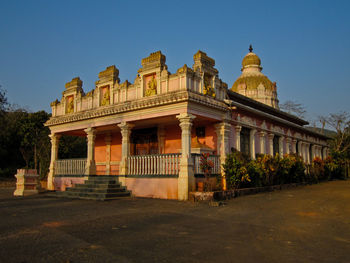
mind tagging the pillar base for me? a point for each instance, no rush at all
(90, 168)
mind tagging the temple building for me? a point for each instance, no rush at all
(150, 133)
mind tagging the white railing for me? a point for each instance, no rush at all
(155, 164)
(70, 167)
(214, 158)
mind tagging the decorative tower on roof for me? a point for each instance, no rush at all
(254, 84)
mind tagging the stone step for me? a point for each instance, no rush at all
(99, 186)
(94, 195)
(97, 190)
(102, 181)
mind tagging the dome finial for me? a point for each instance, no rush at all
(250, 48)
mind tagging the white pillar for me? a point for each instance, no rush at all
(324, 153)
(125, 130)
(307, 153)
(90, 168)
(271, 135)
(238, 137)
(252, 143)
(300, 149)
(108, 141)
(186, 181)
(294, 146)
(288, 142)
(54, 153)
(280, 146)
(223, 131)
(314, 151)
(262, 142)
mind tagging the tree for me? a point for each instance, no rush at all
(35, 137)
(3, 101)
(293, 107)
(340, 122)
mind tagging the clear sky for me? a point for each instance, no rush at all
(303, 45)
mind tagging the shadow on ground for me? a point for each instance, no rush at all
(305, 224)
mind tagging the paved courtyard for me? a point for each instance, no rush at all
(304, 224)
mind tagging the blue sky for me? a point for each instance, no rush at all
(304, 45)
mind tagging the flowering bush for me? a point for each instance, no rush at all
(206, 165)
(266, 170)
(236, 171)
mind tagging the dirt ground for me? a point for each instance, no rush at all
(303, 224)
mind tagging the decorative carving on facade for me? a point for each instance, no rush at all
(54, 103)
(105, 96)
(139, 104)
(185, 69)
(248, 120)
(152, 87)
(70, 104)
(208, 89)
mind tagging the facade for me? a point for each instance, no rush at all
(150, 133)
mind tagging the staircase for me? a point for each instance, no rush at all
(100, 188)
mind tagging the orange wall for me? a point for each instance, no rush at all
(100, 148)
(116, 147)
(210, 138)
(172, 139)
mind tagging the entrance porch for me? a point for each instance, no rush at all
(156, 158)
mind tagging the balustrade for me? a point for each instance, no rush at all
(155, 164)
(70, 167)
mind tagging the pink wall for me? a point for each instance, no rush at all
(61, 183)
(164, 188)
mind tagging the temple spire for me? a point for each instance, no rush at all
(250, 48)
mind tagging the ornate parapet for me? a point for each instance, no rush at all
(110, 74)
(153, 80)
(154, 60)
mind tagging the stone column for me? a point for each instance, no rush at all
(238, 137)
(307, 153)
(108, 141)
(324, 153)
(262, 142)
(271, 135)
(252, 143)
(314, 151)
(90, 168)
(288, 142)
(294, 146)
(300, 149)
(186, 181)
(280, 146)
(125, 129)
(319, 154)
(223, 131)
(54, 153)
